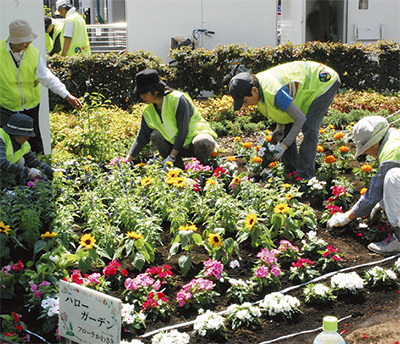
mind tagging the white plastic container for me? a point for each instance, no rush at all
(329, 335)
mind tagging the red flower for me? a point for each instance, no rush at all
(337, 258)
(124, 272)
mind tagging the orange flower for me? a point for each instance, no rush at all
(258, 148)
(272, 164)
(330, 159)
(363, 191)
(366, 168)
(247, 145)
(338, 136)
(257, 159)
(268, 138)
(320, 149)
(231, 158)
(344, 149)
(321, 131)
(214, 154)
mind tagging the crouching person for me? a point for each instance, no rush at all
(17, 161)
(373, 136)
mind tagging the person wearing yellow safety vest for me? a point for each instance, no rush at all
(297, 96)
(22, 70)
(17, 161)
(53, 29)
(373, 136)
(171, 121)
(74, 36)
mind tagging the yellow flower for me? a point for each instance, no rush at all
(192, 228)
(236, 180)
(87, 168)
(174, 173)
(289, 196)
(267, 132)
(169, 163)
(366, 168)
(87, 241)
(257, 159)
(48, 235)
(321, 131)
(331, 126)
(345, 73)
(344, 149)
(211, 182)
(320, 149)
(363, 191)
(286, 185)
(4, 228)
(214, 240)
(89, 157)
(281, 208)
(268, 138)
(146, 181)
(272, 164)
(250, 221)
(338, 136)
(247, 145)
(231, 158)
(134, 235)
(330, 159)
(140, 164)
(258, 148)
(179, 182)
(237, 138)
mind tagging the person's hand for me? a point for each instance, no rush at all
(168, 159)
(34, 173)
(74, 102)
(278, 133)
(280, 148)
(375, 210)
(339, 220)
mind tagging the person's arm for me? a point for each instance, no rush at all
(56, 46)
(184, 113)
(32, 161)
(299, 119)
(68, 34)
(141, 140)
(8, 166)
(67, 43)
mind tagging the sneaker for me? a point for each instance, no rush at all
(390, 245)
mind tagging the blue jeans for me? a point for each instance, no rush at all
(303, 160)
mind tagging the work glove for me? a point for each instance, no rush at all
(278, 133)
(34, 173)
(168, 159)
(375, 209)
(339, 220)
(280, 149)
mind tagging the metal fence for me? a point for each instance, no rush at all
(106, 38)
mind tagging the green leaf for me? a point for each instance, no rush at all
(40, 245)
(174, 249)
(139, 261)
(185, 262)
(197, 239)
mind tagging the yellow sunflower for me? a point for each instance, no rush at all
(170, 180)
(192, 228)
(134, 235)
(236, 180)
(289, 196)
(87, 241)
(174, 173)
(231, 158)
(180, 182)
(48, 235)
(286, 185)
(250, 221)
(146, 181)
(4, 228)
(214, 240)
(281, 208)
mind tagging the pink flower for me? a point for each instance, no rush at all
(268, 256)
(337, 258)
(124, 272)
(262, 271)
(44, 283)
(141, 280)
(284, 245)
(275, 270)
(38, 294)
(76, 277)
(34, 287)
(182, 296)
(213, 268)
(93, 278)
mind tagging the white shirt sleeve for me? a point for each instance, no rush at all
(49, 80)
(68, 29)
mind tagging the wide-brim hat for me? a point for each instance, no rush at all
(239, 87)
(368, 131)
(20, 124)
(147, 80)
(20, 31)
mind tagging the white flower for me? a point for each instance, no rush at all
(242, 314)
(321, 289)
(54, 258)
(377, 275)
(208, 321)
(347, 282)
(312, 234)
(173, 336)
(52, 306)
(397, 265)
(276, 303)
(135, 341)
(129, 316)
(234, 264)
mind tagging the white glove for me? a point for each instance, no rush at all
(339, 220)
(34, 173)
(168, 158)
(280, 148)
(375, 209)
(278, 133)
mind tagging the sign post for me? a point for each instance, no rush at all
(88, 316)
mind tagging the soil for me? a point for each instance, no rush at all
(371, 318)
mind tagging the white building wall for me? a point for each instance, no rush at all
(31, 10)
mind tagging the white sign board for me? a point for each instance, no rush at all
(88, 316)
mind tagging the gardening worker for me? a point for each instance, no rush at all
(74, 35)
(17, 160)
(373, 136)
(21, 71)
(53, 30)
(171, 121)
(297, 96)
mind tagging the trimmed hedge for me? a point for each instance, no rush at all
(360, 66)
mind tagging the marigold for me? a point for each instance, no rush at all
(87, 241)
(231, 158)
(134, 235)
(250, 221)
(366, 168)
(4, 228)
(281, 208)
(257, 159)
(48, 235)
(330, 159)
(322, 131)
(214, 154)
(247, 145)
(146, 181)
(214, 240)
(338, 136)
(268, 138)
(344, 149)
(237, 138)
(320, 149)
(363, 191)
(272, 164)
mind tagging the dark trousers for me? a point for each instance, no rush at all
(35, 142)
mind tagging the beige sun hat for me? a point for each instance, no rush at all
(368, 131)
(21, 32)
